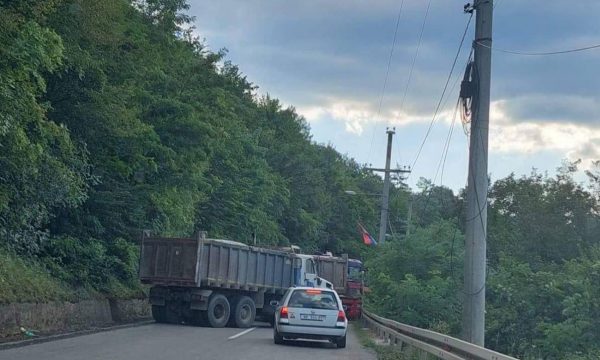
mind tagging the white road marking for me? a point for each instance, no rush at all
(240, 334)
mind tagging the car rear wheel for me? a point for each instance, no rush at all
(341, 342)
(277, 337)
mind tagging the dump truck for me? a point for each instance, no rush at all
(346, 275)
(217, 282)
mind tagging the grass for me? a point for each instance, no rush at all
(27, 281)
(383, 352)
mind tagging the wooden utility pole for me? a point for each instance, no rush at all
(477, 188)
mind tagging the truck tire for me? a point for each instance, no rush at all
(218, 311)
(244, 312)
(341, 342)
(159, 313)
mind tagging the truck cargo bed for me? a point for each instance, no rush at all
(214, 263)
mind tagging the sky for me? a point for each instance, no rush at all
(329, 59)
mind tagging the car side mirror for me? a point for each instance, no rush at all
(274, 303)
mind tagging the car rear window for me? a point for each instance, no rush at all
(313, 299)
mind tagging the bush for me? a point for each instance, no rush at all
(27, 281)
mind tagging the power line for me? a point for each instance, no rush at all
(412, 67)
(387, 74)
(448, 142)
(443, 157)
(462, 40)
(526, 53)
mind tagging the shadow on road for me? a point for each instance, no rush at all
(311, 344)
(315, 344)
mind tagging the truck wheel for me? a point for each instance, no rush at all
(341, 342)
(159, 313)
(244, 312)
(218, 311)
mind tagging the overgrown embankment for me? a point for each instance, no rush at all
(32, 298)
(115, 118)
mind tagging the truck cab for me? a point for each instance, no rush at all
(305, 273)
(354, 289)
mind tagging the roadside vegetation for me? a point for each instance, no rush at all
(543, 278)
(384, 352)
(115, 117)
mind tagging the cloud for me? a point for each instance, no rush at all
(545, 108)
(355, 115)
(509, 135)
(328, 58)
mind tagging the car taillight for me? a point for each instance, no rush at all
(283, 313)
(341, 316)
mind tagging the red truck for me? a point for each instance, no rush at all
(347, 278)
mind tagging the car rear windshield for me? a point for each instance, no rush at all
(313, 299)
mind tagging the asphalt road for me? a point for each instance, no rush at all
(162, 341)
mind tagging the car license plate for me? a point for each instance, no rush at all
(312, 317)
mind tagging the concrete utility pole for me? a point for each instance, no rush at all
(409, 217)
(385, 199)
(477, 188)
(386, 186)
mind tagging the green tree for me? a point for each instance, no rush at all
(42, 170)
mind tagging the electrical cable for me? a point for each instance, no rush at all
(443, 157)
(525, 53)
(443, 93)
(412, 67)
(387, 73)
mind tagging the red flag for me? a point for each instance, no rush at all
(366, 237)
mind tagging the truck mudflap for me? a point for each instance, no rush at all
(158, 296)
(352, 307)
(199, 299)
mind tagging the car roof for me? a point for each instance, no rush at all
(311, 288)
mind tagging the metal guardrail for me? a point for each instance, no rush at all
(439, 345)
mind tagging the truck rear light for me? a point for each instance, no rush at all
(283, 313)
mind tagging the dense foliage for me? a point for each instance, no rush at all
(114, 118)
(543, 266)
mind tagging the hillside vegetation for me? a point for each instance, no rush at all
(114, 118)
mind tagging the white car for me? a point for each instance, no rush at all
(310, 313)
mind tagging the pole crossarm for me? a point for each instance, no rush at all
(397, 171)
